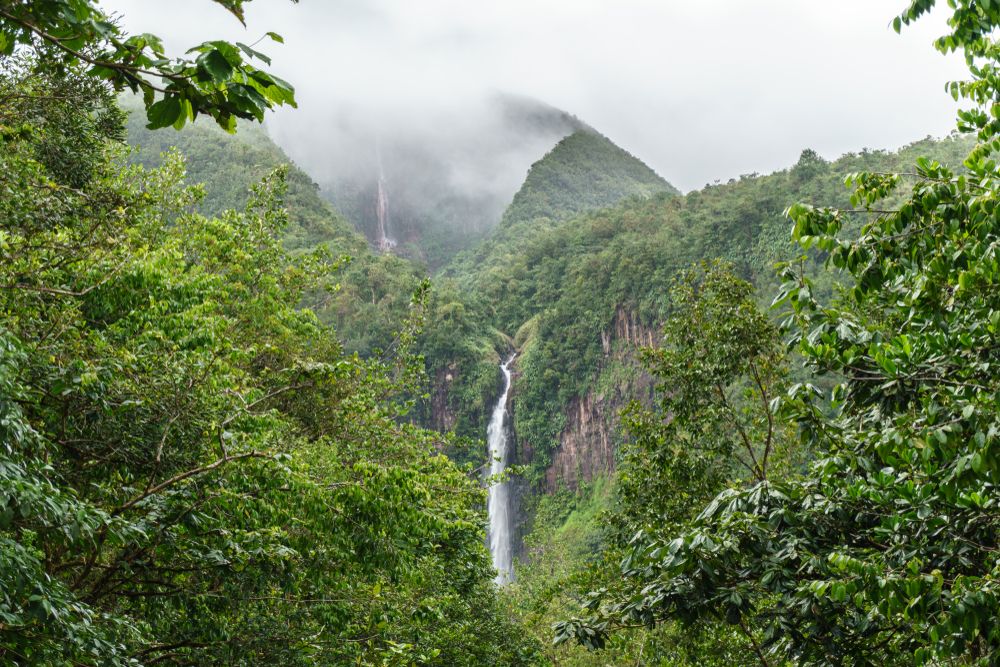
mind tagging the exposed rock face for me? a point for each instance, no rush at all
(587, 443)
(589, 439)
(626, 327)
(442, 415)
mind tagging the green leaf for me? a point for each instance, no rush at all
(163, 113)
(216, 65)
(253, 53)
(187, 112)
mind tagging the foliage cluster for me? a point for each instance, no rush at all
(883, 550)
(561, 283)
(373, 289)
(571, 551)
(192, 469)
(220, 81)
(227, 165)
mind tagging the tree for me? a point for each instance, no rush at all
(720, 367)
(192, 471)
(220, 81)
(885, 552)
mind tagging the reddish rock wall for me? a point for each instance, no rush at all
(442, 416)
(587, 443)
(585, 447)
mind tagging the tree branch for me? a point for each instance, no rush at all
(770, 419)
(186, 475)
(126, 70)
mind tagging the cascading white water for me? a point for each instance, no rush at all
(498, 505)
(383, 240)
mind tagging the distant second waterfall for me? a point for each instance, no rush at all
(498, 505)
(383, 239)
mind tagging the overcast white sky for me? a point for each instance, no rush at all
(699, 89)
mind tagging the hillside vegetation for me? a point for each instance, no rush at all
(556, 282)
(583, 172)
(373, 290)
(552, 277)
(754, 425)
(559, 285)
(192, 468)
(227, 165)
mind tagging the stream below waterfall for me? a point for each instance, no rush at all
(498, 505)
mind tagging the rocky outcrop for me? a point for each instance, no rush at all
(442, 415)
(587, 443)
(626, 327)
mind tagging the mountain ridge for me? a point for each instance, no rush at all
(584, 171)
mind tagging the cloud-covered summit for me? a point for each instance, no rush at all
(699, 90)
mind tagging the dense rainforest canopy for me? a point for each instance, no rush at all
(232, 432)
(882, 550)
(194, 470)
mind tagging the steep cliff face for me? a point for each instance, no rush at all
(443, 417)
(590, 437)
(461, 398)
(627, 328)
(520, 488)
(585, 445)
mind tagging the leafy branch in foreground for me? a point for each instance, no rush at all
(884, 552)
(720, 365)
(192, 470)
(219, 80)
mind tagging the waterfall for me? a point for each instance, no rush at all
(383, 241)
(498, 506)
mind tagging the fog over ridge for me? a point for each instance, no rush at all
(699, 91)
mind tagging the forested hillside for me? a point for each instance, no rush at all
(756, 424)
(583, 296)
(576, 278)
(583, 172)
(228, 164)
(567, 287)
(193, 470)
(430, 191)
(373, 289)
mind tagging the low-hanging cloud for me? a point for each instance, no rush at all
(700, 91)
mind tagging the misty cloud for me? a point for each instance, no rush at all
(699, 90)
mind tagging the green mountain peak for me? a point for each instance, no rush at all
(584, 171)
